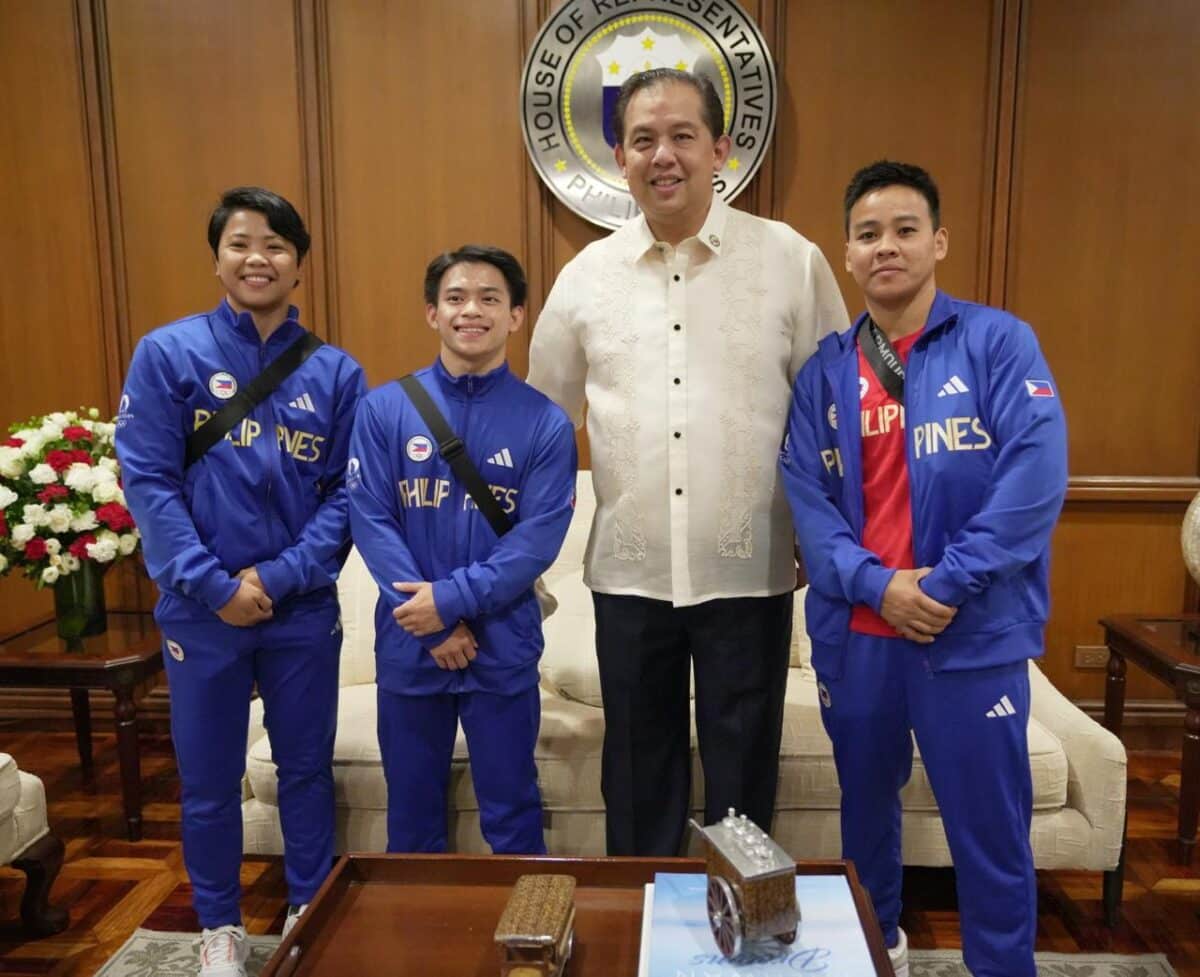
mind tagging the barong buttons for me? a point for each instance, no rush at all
(714, 240)
(679, 491)
(678, 327)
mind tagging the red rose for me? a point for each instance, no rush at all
(13, 442)
(115, 516)
(79, 547)
(77, 433)
(60, 460)
(3, 524)
(35, 549)
(52, 492)
(80, 455)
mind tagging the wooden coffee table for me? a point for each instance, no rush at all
(1167, 647)
(435, 915)
(120, 660)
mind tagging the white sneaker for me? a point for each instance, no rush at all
(898, 954)
(223, 952)
(293, 916)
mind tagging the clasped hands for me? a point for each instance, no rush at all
(913, 613)
(249, 604)
(419, 617)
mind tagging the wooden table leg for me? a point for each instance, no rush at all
(1189, 786)
(81, 709)
(127, 749)
(1114, 694)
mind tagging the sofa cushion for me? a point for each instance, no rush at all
(568, 665)
(808, 778)
(10, 785)
(357, 594)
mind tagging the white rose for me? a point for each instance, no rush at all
(35, 515)
(50, 575)
(33, 447)
(42, 474)
(56, 561)
(7, 496)
(93, 413)
(105, 492)
(80, 477)
(128, 543)
(22, 533)
(3, 562)
(82, 523)
(50, 431)
(102, 551)
(107, 536)
(70, 562)
(121, 498)
(12, 464)
(109, 464)
(59, 418)
(59, 519)
(106, 429)
(54, 546)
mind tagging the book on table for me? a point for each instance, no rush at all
(677, 940)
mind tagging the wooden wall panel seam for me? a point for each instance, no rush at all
(312, 58)
(92, 37)
(994, 243)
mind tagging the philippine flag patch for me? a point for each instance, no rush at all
(1039, 388)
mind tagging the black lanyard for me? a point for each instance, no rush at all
(884, 360)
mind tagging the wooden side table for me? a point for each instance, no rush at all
(120, 660)
(1167, 647)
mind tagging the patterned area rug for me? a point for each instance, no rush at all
(152, 954)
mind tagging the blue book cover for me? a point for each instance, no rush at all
(829, 941)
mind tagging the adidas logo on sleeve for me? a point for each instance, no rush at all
(303, 402)
(501, 458)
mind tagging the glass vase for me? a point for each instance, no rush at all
(79, 602)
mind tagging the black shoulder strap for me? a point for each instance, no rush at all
(245, 400)
(451, 447)
(884, 361)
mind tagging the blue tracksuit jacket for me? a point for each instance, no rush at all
(987, 471)
(271, 494)
(412, 520)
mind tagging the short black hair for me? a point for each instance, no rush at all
(502, 261)
(281, 217)
(710, 102)
(886, 173)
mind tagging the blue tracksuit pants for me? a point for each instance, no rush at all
(293, 659)
(416, 740)
(971, 729)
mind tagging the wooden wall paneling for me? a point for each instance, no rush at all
(1101, 255)
(874, 79)
(427, 155)
(312, 65)
(51, 314)
(1110, 557)
(205, 96)
(1002, 111)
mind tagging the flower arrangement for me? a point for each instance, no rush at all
(61, 503)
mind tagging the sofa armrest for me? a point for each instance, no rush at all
(1096, 765)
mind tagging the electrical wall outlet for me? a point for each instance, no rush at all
(1091, 656)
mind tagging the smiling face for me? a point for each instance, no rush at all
(474, 317)
(668, 157)
(258, 268)
(893, 247)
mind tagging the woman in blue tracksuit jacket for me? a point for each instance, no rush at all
(414, 522)
(245, 545)
(985, 444)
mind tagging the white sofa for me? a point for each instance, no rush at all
(1078, 767)
(27, 844)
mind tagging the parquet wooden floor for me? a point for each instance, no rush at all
(111, 886)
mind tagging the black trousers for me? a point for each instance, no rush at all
(738, 649)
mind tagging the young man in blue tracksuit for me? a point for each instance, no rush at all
(458, 631)
(245, 545)
(926, 466)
